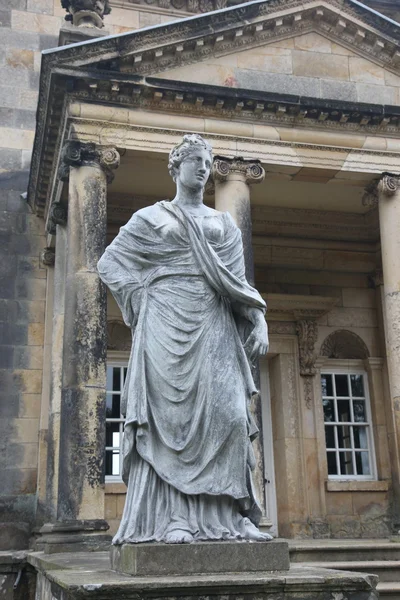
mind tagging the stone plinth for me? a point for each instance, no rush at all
(88, 575)
(153, 560)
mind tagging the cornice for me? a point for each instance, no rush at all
(296, 307)
(66, 75)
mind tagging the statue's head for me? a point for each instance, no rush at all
(191, 160)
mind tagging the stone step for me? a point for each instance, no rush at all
(388, 589)
(317, 551)
(387, 570)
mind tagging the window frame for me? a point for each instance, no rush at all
(351, 367)
(115, 359)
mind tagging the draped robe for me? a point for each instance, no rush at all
(179, 281)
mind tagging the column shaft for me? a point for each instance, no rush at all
(82, 440)
(389, 219)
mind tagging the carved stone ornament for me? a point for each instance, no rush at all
(58, 215)
(48, 257)
(86, 13)
(344, 344)
(78, 154)
(250, 170)
(389, 184)
(371, 194)
(307, 331)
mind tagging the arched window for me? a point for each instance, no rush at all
(346, 408)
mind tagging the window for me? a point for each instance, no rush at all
(348, 435)
(116, 374)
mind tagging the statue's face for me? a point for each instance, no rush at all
(194, 170)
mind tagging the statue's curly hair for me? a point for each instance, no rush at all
(190, 142)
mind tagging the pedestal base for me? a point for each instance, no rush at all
(154, 560)
(74, 536)
(83, 575)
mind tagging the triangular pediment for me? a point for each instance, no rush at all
(338, 27)
(309, 64)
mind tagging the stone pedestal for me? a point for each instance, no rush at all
(88, 575)
(155, 560)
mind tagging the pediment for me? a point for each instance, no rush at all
(308, 26)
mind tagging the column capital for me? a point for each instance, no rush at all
(250, 171)
(79, 154)
(386, 186)
(86, 13)
(58, 215)
(389, 184)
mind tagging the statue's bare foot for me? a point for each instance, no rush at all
(255, 535)
(178, 536)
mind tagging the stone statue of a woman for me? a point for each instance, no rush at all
(177, 272)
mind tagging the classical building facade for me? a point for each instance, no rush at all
(301, 103)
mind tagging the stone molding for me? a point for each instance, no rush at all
(186, 6)
(78, 154)
(307, 333)
(58, 215)
(296, 307)
(86, 13)
(344, 344)
(250, 171)
(386, 186)
(48, 257)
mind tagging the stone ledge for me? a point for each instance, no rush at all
(73, 576)
(357, 486)
(154, 560)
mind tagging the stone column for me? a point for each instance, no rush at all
(389, 220)
(232, 178)
(80, 498)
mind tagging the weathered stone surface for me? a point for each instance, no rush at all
(77, 576)
(154, 560)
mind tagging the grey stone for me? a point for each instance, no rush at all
(378, 94)
(10, 159)
(338, 90)
(149, 560)
(6, 359)
(13, 4)
(84, 575)
(5, 18)
(47, 41)
(196, 460)
(277, 82)
(11, 333)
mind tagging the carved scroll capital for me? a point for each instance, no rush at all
(389, 184)
(78, 154)
(86, 13)
(48, 257)
(307, 331)
(250, 170)
(58, 215)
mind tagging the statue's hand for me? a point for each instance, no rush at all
(257, 343)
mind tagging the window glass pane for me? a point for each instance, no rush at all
(346, 463)
(113, 402)
(330, 436)
(326, 382)
(116, 379)
(343, 408)
(362, 463)
(360, 437)
(125, 372)
(112, 462)
(357, 385)
(329, 411)
(332, 466)
(342, 385)
(344, 436)
(359, 411)
(112, 435)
